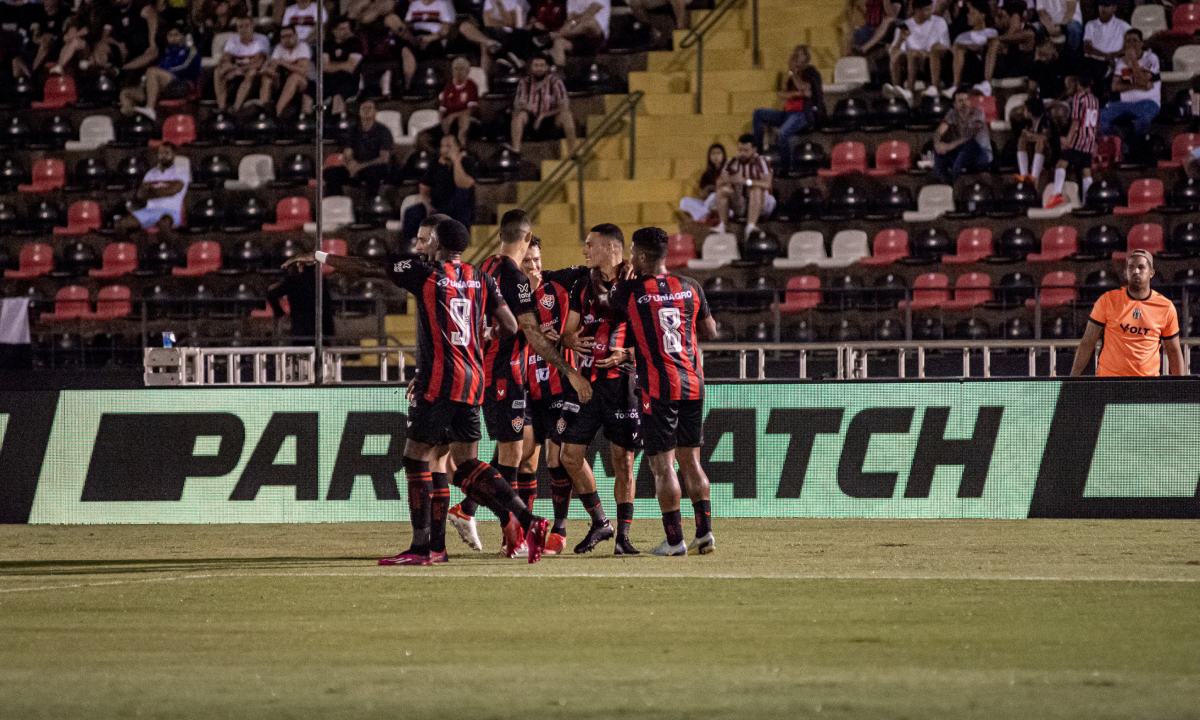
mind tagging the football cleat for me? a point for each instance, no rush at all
(536, 538)
(624, 547)
(555, 544)
(514, 537)
(466, 526)
(523, 548)
(436, 558)
(702, 545)
(596, 534)
(666, 549)
(406, 558)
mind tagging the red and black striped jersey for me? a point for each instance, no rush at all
(453, 298)
(505, 358)
(550, 306)
(662, 311)
(590, 298)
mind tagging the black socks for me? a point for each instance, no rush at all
(703, 510)
(624, 519)
(560, 495)
(482, 483)
(591, 503)
(673, 524)
(420, 488)
(438, 507)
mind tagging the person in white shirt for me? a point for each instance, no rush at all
(503, 32)
(1062, 17)
(243, 58)
(429, 25)
(1103, 41)
(163, 189)
(975, 51)
(585, 31)
(293, 58)
(1136, 78)
(303, 17)
(921, 41)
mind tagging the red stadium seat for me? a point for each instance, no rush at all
(1108, 153)
(1144, 236)
(1185, 20)
(1181, 146)
(112, 302)
(36, 259)
(1058, 288)
(82, 217)
(974, 244)
(332, 246)
(681, 247)
(1058, 243)
(803, 292)
(986, 103)
(846, 158)
(119, 258)
(268, 313)
(929, 291)
(290, 215)
(48, 174)
(1144, 195)
(891, 157)
(890, 246)
(177, 130)
(202, 258)
(58, 93)
(70, 303)
(970, 290)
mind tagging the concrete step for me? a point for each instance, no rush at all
(744, 103)
(658, 129)
(740, 59)
(726, 38)
(630, 191)
(659, 82)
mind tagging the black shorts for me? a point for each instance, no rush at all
(441, 422)
(177, 89)
(341, 83)
(668, 424)
(973, 67)
(505, 417)
(1077, 159)
(543, 415)
(613, 407)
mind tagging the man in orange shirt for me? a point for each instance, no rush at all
(1134, 322)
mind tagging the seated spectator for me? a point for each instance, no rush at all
(293, 58)
(299, 286)
(585, 31)
(541, 97)
(245, 54)
(210, 17)
(129, 37)
(1079, 144)
(504, 32)
(641, 12)
(160, 196)
(1045, 78)
(36, 33)
(1016, 41)
(975, 51)
(873, 15)
(1136, 78)
(1062, 17)
(365, 157)
(429, 25)
(962, 142)
(1103, 41)
(803, 99)
(343, 56)
(380, 30)
(458, 102)
(303, 18)
(745, 185)
(702, 209)
(81, 40)
(448, 187)
(920, 43)
(175, 76)
(1042, 135)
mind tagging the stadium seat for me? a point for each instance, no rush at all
(1144, 236)
(806, 247)
(847, 248)
(112, 302)
(929, 290)
(58, 93)
(681, 248)
(70, 303)
(846, 158)
(35, 260)
(1144, 195)
(290, 215)
(986, 103)
(1185, 240)
(48, 174)
(254, 171)
(1014, 245)
(1058, 288)
(1181, 147)
(1185, 20)
(337, 211)
(82, 217)
(95, 132)
(970, 290)
(719, 250)
(418, 122)
(1070, 202)
(391, 120)
(1186, 64)
(888, 290)
(850, 73)
(1014, 101)
(1057, 244)
(803, 292)
(178, 130)
(1150, 19)
(119, 258)
(890, 246)
(891, 157)
(974, 244)
(1108, 152)
(932, 202)
(202, 258)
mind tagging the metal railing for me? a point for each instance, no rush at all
(577, 161)
(696, 37)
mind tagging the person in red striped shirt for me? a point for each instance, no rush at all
(745, 185)
(541, 98)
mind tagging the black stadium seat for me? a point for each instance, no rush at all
(129, 173)
(801, 332)
(843, 293)
(373, 249)
(1016, 329)
(972, 329)
(808, 157)
(90, 174)
(1184, 240)
(213, 170)
(297, 169)
(1101, 241)
(1014, 289)
(805, 203)
(17, 133)
(929, 246)
(888, 330)
(1014, 245)
(246, 256)
(891, 203)
(10, 220)
(972, 198)
(1097, 284)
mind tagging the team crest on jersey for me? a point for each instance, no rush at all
(518, 423)
(646, 405)
(561, 426)
(1137, 313)
(547, 301)
(402, 266)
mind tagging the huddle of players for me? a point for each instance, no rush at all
(617, 313)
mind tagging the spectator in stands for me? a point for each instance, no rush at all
(874, 14)
(131, 32)
(702, 209)
(429, 25)
(448, 187)
(1079, 145)
(293, 58)
(975, 51)
(1016, 41)
(585, 31)
(243, 59)
(1103, 41)
(745, 185)
(1063, 17)
(641, 12)
(802, 98)
(365, 156)
(38, 29)
(955, 12)
(962, 142)
(1041, 135)
(302, 17)
(342, 58)
(210, 17)
(1046, 74)
(541, 97)
(299, 286)
(458, 103)
(503, 33)
(82, 35)
(160, 195)
(1135, 77)
(175, 76)
(920, 41)
(380, 30)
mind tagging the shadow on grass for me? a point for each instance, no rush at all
(26, 568)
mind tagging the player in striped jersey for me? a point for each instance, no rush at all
(1079, 144)
(665, 314)
(453, 298)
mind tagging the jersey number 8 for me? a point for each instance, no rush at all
(671, 321)
(460, 313)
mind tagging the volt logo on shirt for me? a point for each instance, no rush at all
(1133, 329)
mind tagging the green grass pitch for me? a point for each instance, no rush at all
(789, 618)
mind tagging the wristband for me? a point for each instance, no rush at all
(320, 256)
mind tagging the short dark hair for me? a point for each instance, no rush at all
(431, 221)
(168, 143)
(745, 138)
(511, 225)
(1018, 7)
(652, 241)
(980, 6)
(610, 232)
(288, 27)
(1135, 31)
(536, 242)
(453, 235)
(1084, 80)
(918, 4)
(962, 90)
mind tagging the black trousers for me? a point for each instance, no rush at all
(369, 178)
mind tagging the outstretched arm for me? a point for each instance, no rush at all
(546, 348)
(352, 266)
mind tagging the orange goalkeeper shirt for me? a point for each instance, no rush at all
(1133, 332)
